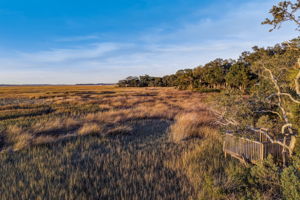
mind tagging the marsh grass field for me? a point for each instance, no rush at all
(105, 142)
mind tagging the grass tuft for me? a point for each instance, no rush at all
(190, 125)
(90, 128)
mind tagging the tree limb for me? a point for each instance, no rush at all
(284, 127)
(269, 111)
(279, 93)
(290, 96)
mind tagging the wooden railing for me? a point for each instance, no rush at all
(250, 150)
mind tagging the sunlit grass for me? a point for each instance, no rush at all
(101, 142)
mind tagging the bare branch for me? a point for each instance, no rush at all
(290, 96)
(269, 111)
(226, 121)
(285, 127)
(285, 94)
(279, 94)
(272, 95)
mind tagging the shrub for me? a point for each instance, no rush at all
(265, 176)
(290, 182)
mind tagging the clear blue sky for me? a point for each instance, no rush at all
(64, 41)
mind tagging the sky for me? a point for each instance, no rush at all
(103, 41)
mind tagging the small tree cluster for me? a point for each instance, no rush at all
(148, 81)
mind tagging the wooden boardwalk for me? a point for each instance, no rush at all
(250, 150)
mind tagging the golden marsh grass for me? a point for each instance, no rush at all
(102, 142)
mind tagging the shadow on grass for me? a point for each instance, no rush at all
(130, 166)
(29, 113)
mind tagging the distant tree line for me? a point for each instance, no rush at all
(218, 74)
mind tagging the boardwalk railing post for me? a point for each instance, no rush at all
(260, 136)
(262, 151)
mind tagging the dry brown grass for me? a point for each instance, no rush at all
(44, 139)
(193, 124)
(121, 129)
(89, 128)
(118, 134)
(52, 125)
(89, 109)
(18, 137)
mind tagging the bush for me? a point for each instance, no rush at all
(290, 182)
(207, 90)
